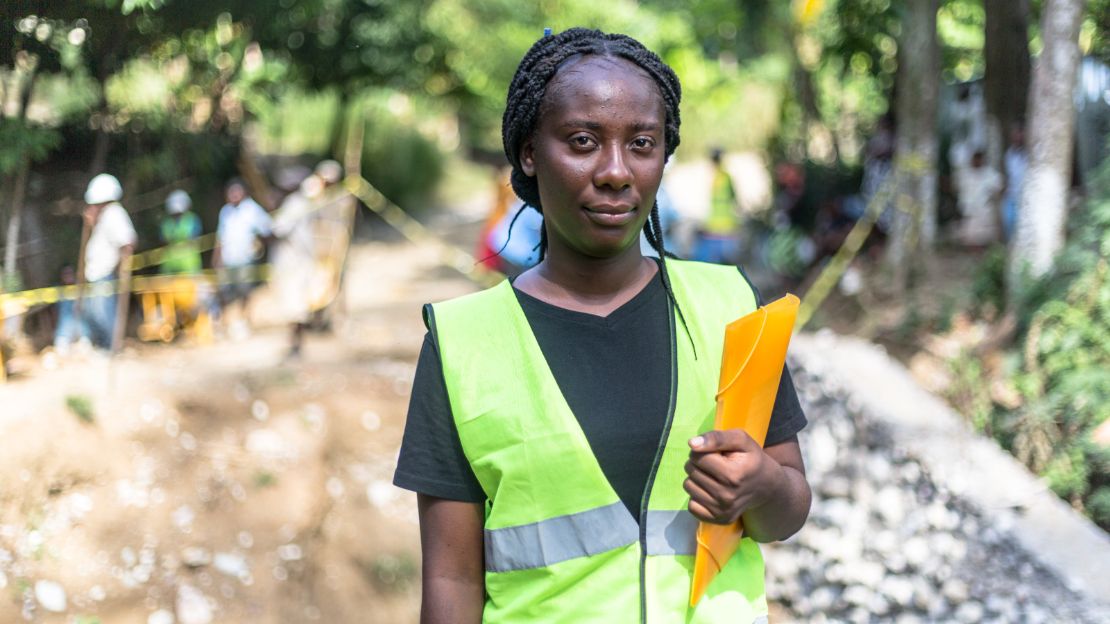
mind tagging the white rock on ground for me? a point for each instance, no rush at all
(50, 595)
(193, 607)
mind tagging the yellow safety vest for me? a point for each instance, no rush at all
(560, 546)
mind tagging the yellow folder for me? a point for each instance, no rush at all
(752, 363)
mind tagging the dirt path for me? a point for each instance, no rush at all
(218, 483)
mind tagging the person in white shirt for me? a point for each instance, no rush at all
(979, 186)
(243, 225)
(107, 252)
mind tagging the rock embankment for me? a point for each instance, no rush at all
(888, 541)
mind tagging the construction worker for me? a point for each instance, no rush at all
(179, 229)
(108, 250)
(243, 229)
(718, 241)
(559, 434)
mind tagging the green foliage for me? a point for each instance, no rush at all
(1065, 376)
(1098, 505)
(402, 163)
(783, 252)
(264, 479)
(24, 142)
(82, 407)
(960, 29)
(1095, 33)
(988, 286)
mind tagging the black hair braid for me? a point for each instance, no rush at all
(653, 231)
(524, 105)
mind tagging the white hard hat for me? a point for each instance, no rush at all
(178, 202)
(102, 189)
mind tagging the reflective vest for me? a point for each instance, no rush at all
(560, 546)
(722, 220)
(182, 254)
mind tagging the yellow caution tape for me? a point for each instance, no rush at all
(853, 242)
(410, 228)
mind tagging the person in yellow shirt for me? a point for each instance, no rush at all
(718, 240)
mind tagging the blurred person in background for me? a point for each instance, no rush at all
(878, 162)
(979, 186)
(179, 230)
(108, 253)
(1015, 162)
(333, 224)
(516, 239)
(718, 241)
(243, 228)
(297, 274)
(69, 330)
(484, 251)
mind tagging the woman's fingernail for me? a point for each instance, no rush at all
(698, 441)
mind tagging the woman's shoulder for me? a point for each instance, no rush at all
(693, 269)
(475, 305)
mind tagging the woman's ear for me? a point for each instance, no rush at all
(527, 158)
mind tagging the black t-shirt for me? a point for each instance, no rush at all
(614, 372)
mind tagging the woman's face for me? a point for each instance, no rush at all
(597, 155)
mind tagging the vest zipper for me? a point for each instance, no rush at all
(655, 468)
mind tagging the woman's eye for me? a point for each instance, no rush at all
(581, 141)
(643, 143)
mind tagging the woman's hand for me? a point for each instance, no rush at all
(729, 476)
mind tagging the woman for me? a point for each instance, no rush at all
(558, 434)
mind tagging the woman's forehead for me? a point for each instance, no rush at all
(602, 81)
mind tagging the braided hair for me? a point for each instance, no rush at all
(525, 104)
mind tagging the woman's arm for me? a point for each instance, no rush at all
(454, 568)
(729, 475)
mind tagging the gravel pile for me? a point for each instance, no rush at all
(884, 542)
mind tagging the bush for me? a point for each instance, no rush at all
(1065, 373)
(401, 163)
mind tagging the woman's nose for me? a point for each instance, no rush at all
(612, 170)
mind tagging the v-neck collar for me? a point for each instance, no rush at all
(630, 308)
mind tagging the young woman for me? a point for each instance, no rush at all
(559, 434)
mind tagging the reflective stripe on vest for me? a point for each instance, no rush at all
(587, 533)
(560, 546)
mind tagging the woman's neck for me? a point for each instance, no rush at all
(592, 285)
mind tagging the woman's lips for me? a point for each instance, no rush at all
(610, 216)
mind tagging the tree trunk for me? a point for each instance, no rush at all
(100, 149)
(19, 191)
(11, 248)
(1044, 199)
(913, 227)
(1006, 83)
(103, 142)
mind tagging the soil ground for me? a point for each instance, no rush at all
(220, 480)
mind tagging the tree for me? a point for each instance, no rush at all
(915, 145)
(1044, 200)
(33, 45)
(1006, 50)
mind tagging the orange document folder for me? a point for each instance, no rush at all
(751, 366)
